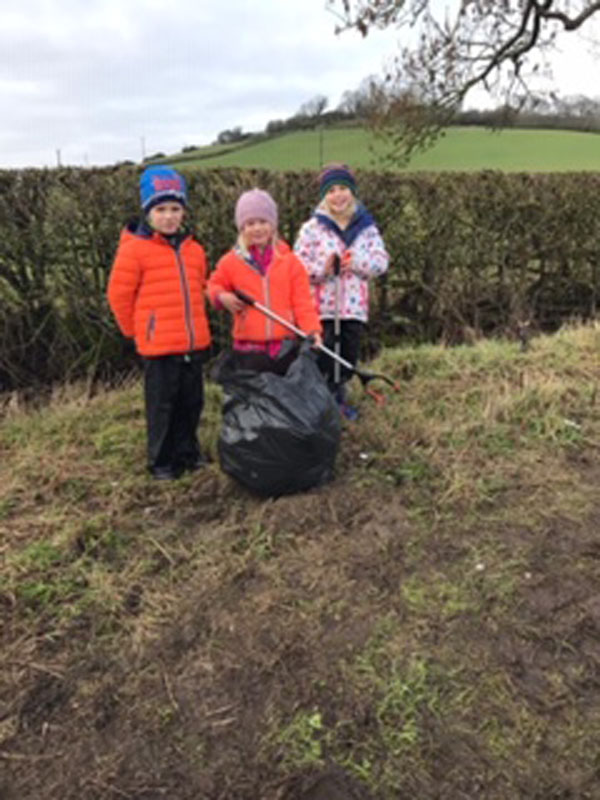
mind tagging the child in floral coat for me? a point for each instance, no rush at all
(341, 226)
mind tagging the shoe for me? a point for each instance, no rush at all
(349, 412)
(165, 473)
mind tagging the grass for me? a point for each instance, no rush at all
(462, 149)
(424, 626)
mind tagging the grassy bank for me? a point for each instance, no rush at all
(462, 149)
(425, 626)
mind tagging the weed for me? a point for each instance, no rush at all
(119, 441)
(39, 555)
(300, 741)
(259, 542)
(7, 507)
(48, 594)
(96, 538)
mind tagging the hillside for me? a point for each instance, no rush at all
(465, 149)
(426, 626)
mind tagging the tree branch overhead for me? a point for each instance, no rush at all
(497, 45)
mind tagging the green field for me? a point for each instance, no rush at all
(462, 149)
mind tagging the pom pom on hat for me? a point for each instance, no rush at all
(160, 184)
(255, 204)
(336, 175)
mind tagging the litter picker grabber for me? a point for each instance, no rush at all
(337, 329)
(364, 376)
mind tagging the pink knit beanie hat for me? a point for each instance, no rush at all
(255, 204)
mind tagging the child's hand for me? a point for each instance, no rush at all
(329, 263)
(317, 339)
(231, 302)
(345, 262)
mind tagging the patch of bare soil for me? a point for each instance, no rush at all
(180, 707)
(89, 715)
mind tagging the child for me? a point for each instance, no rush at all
(156, 293)
(263, 266)
(341, 226)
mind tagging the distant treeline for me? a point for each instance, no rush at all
(356, 108)
(472, 254)
(575, 113)
(572, 117)
(587, 119)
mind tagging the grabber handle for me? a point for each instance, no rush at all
(246, 298)
(337, 264)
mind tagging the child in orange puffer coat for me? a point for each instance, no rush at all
(156, 293)
(263, 266)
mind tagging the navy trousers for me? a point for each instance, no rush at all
(174, 398)
(350, 331)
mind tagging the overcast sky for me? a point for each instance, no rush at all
(97, 81)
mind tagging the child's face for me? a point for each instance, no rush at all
(257, 232)
(339, 198)
(166, 218)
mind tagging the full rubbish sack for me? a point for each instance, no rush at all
(280, 434)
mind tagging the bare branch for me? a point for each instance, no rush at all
(573, 23)
(487, 43)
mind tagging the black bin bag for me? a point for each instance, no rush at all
(280, 433)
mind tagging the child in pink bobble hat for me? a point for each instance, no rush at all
(263, 266)
(256, 204)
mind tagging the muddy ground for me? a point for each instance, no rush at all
(245, 612)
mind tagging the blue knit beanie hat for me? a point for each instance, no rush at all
(160, 184)
(336, 175)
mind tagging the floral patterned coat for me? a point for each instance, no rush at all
(360, 242)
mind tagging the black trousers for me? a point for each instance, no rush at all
(350, 332)
(174, 399)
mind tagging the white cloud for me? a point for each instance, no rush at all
(101, 79)
(94, 77)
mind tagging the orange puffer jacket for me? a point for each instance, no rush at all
(285, 289)
(156, 292)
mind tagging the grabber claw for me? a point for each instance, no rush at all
(364, 376)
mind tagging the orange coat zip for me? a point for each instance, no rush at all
(284, 289)
(156, 293)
